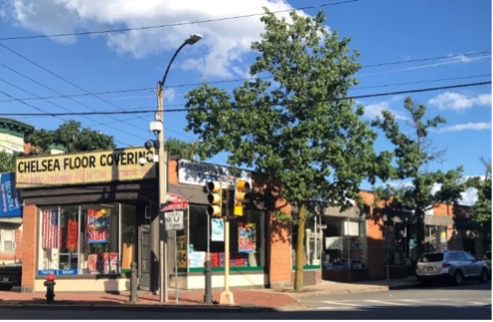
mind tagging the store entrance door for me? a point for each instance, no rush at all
(144, 257)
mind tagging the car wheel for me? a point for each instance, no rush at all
(458, 278)
(5, 287)
(484, 276)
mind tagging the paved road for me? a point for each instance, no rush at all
(467, 302)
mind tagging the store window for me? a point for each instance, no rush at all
(247, 244)
(86, 240)
(313, 242)
(345, 244)
(7, 240)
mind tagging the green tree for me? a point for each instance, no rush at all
(72, 137)
(413, 155)
(298, 131)
(180, 149)
(7, 161)
(482, 207)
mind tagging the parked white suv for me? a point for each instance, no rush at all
(450, 265)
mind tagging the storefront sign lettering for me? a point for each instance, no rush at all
(89, 167)
(195, 173)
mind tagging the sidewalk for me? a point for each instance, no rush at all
(194, 299)
(187, 300)
(335, 288)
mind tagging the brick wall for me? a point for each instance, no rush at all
(375, 240)
(279, 259)
(30, 220)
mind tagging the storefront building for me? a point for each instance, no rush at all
(88, 216)
(10, 220)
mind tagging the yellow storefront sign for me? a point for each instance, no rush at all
(87, 167)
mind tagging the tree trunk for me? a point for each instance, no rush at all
(298, 278)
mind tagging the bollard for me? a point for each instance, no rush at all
(133, 283)
(50, 287)
(208, 281)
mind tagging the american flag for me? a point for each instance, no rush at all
(50, 232)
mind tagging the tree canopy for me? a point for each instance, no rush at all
(72, 137)
(297, 130)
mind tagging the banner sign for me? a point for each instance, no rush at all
(197, 174)
(85, 167)
(11, 203)
(98, 226)
(58, 272)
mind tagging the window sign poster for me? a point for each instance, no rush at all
(217, 231)
(98, 226)
(246, 237)
(72, 234)
(11, 203)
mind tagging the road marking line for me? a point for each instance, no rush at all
(423, 302)
(339, 303)
(386, 303)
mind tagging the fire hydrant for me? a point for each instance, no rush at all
(50, 287)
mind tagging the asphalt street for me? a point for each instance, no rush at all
(471, 301)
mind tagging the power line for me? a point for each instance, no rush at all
(62, 78)
(55, 91)
(426, 59)
(84, 33)
(252, 78)
(419, 90)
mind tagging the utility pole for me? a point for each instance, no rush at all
(162, 180)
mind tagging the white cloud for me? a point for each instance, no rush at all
(224, 43)
(375, 109)
(463, 127)
(169, 94)
(469, 197)
(459, 102)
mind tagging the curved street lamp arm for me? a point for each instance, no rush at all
(171, 62)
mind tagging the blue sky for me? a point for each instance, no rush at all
(383, 31)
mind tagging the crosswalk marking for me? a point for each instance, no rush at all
(340, 303)
(385, 302)
(365, 304)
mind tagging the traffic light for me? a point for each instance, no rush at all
(214, 197)
(242, 187)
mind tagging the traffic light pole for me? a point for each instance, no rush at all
(207, 268)
(226, 295)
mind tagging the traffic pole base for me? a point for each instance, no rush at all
(226, 298)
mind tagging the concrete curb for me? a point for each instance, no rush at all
(66, 305)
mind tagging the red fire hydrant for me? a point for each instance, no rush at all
(50, 287)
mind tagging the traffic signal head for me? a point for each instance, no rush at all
(214, 197)
(242, 187)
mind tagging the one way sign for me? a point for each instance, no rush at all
(174, 220)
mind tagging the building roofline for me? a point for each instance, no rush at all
(21, 126)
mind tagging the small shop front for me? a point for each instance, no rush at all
(81, 213)
(247, 239)
(344, 257)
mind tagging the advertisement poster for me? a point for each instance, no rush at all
(72, 234)
(11, 203)
(98, 226)
(217, 229)
(182, 251)
(246, 237)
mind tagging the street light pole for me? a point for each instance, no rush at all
(162, 179)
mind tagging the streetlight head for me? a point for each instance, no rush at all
(193, 39)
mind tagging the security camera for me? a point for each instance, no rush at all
(148, 145)
(142, 161)
(156, 126)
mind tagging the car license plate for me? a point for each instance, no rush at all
(5, 279)
(429, 268)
